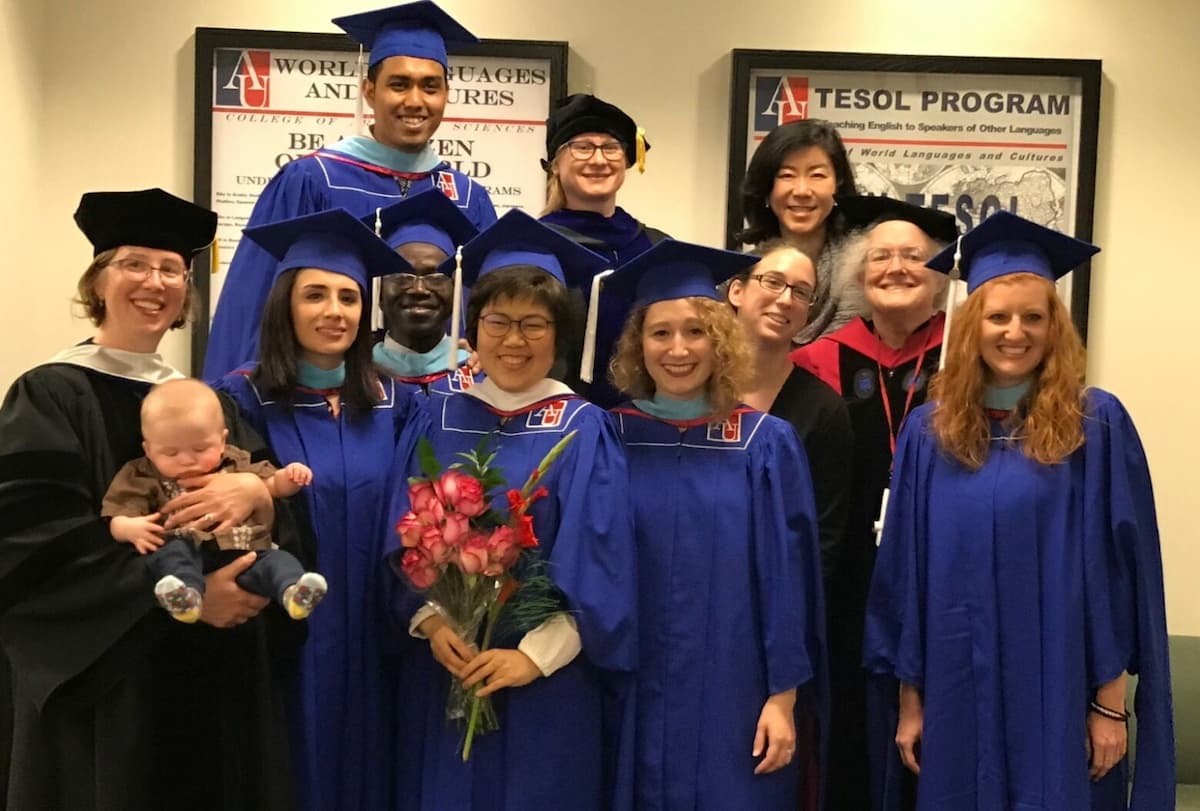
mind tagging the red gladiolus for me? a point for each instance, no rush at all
(525, 532)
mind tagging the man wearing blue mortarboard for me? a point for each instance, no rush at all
(407, 88)
(426, 231)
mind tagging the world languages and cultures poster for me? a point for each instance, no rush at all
(270, 106)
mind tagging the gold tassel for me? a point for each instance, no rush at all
(641, 149)
(214, 258)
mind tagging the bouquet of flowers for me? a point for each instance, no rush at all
(477, 565)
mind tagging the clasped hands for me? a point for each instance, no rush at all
(495, 669)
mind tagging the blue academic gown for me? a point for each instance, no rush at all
(730, 606)
(323, 180)
(1008, 595)
(342, 702)
(440, 384)
(559, 742)
(621, 238)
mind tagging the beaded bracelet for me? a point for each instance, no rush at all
(1112, 715)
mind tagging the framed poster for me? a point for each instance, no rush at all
(970, 135)
(264, 98)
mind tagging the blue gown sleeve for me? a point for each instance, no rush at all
(481, 212)
(787, 559)
(237, 386)
(233, 337)
(594, 558)
(401, 600)
(894, 642)
(1118, 486)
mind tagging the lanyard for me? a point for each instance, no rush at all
(893, 428)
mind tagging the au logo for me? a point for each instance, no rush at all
(548, 416)
(243, 78)
(778, 100)
(460, 379)
(448, 185)
(728, 431)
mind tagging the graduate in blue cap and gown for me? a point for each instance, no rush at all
(316, 397)
(590, 143)
(407, 87)
(1019, 578)
(427, 232)
(560, 690)
(731, 622)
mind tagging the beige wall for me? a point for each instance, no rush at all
(99, 95)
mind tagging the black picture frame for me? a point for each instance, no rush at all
(208, 40)
(1086, 71)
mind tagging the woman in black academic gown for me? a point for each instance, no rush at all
(114, 705)
(589, 145)
(772, 301)
(881, 366)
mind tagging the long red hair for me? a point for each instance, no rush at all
(1049, 421)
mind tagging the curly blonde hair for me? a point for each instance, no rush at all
(731, 356)
(1049, 421)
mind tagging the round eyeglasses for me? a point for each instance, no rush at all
(584, 150)
(171, 274)
(775, 284)
(531, 327)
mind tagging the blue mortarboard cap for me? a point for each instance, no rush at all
(1005, 243)
(674, 269)
(866, 211)
(417, 29)
(428, 217)
(518, 239)
(332, 240)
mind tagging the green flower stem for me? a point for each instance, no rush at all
(476, 701)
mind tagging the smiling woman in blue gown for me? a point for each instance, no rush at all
(731, 624)
(1019, 579)
(559, 688)
(317, 399)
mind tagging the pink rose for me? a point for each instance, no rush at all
(473, 553)
(418, 569)
(503, 551)
(462, 493)
(431, 512)
(409, 529)
(455, 527)
(434, 546)
(423, 496)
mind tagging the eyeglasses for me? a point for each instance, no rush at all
(774, 284)
(584, 150)
(171, 274)
(531, 327)
(910, 258)
(438, 282)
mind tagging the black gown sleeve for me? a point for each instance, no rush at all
(830, 449)
(68, 591)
